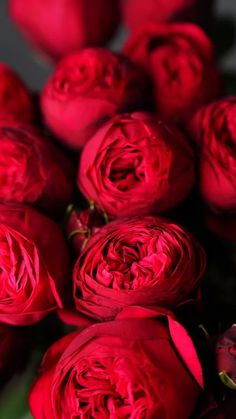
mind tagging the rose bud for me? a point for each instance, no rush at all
(180, 61)
(87, 88)
(82, 225)
(15, 100)
(214, 129)
(13, 351)
(141, 365)
(33, 170)
(146, 261)
(34, 265)
(138, 12)
(59, 27)
(226, 357)
(135, 164)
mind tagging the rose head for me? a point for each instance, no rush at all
(136, 165)
(226, 357)
(32, 170)
(145, 261)
(82, 225)
(59, 27)
(87, 88)
(180, 60)
(15, 101)
(214, 129)
(138, 12)
(143, 365)
(34, 265)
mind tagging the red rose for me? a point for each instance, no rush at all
(139, 366)
(180, 60)
(144, 261)
(82, 225)
(137, 12)
(226, 357)
(59, 27)
(32, 170)
(85, 89)
(135, 165)
(214, 129)
(12, 351)
(34, 265)
(15, 100)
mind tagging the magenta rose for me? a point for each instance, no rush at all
(34, 264)
(142, 365)
(135, 164)
(145, 261)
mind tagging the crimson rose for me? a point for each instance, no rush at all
(135, 164)
(143, 365)
(214, 129)
(85, 89)
(33, 170)
(34, 265)
(180, 60)
(59, 27)
(15, 100)
(137, 261)
(138, 12)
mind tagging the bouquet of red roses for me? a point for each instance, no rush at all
(118, 216)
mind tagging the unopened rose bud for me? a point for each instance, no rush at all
(82, 225)
(226, 357)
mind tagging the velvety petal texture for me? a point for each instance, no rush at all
(137, 261)
(88, 87)
(34, 273)
(16, 103)
(213, 128)
(180, 60)
(59, 27)
(33, 170)
(136, 164)
(128, 368)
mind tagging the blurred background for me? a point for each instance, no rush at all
(16, 52)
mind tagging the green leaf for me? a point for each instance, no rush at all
(14, 397)
(227, 381)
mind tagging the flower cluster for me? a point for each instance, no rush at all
(98, 189)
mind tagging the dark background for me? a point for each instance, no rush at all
(16, 52)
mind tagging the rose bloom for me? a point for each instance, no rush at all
(59, 27)
(226, 357)
(85, 89)
(81, 225)
(15, 100)
(137, 261)
(135, 164)
(34, 265)
(180, 60)
(137, 12)
(143, 365)
(32, 169)
(214, 129)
